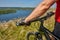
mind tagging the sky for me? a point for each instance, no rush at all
(20, 3)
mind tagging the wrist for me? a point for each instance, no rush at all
(26, 20)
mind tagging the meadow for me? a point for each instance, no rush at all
(9, 30)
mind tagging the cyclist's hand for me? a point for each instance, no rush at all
(22, 23)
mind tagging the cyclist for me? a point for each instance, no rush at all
(41, 9)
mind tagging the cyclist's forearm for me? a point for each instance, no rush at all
(41, 9)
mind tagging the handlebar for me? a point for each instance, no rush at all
(37, 19)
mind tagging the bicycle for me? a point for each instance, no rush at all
(46, 32)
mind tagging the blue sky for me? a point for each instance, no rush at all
(20, 3)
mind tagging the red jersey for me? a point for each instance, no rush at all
(57, 16)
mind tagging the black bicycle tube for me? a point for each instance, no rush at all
(51, 33)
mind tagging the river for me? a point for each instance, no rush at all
(18, 14)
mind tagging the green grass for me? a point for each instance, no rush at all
(9, 30)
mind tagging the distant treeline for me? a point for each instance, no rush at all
(17, 8)
(6, 11)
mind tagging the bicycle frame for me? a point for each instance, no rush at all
(43, 29)
(46, 31)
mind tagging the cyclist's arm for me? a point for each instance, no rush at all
(40, 9)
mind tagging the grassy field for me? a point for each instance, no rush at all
(9, 30)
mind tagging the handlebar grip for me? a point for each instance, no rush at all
(17, 24)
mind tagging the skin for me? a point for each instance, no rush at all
(54, 11)
(40, 9)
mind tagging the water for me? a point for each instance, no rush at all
(18, 14)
